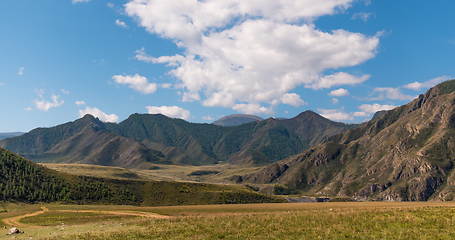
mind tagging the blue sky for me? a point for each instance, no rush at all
(201, 60)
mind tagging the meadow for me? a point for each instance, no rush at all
(362, 220)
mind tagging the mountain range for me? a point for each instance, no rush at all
(405, 154)
(143, 139)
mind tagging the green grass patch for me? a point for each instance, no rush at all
(70, 218)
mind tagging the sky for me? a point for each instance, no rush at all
(200, 60)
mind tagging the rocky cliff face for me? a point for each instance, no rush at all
(406, 154)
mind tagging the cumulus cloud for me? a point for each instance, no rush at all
(292, 99)
(208, 118)
(364, 16)
(373, 108)
(389, 93)
(80, 103)
(166, 85)
(136, 82)
(251, 108)
(21, 71)
(240, 54)
(98, 114)
(336, 114)
(45, 105)
(417, 86)
(365, 111)
(338, 79)
(170, 111)
(121, 23)
(339, 92)
(361, 114)
(80, 1)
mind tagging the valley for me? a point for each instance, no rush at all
(216, 174)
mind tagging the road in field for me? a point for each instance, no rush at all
(16, 221)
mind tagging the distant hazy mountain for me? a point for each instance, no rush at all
(9, 135)
(407, 153)
(236, 120)
(143, 139)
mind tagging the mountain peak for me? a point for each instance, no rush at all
(309, 115)
(236, 119)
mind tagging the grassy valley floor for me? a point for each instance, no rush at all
(219, 173)
(368, 220)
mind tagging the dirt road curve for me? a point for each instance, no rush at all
(16, 221)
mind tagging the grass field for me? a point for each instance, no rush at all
(159, 172)
(254, 221)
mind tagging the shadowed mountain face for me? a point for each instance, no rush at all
(404, 154)
(144, 138)
(236, 120)
(9, 135)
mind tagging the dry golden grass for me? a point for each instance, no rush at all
(161, 173)
(369, 220)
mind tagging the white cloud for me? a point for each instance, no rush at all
(80, 1)
(166, 85)
(241, 53)
(98, 114)
(64, 91)
(121, 23)
(335, 100)
(389, 93)
(110, 5)
(45, 105)
(136, 82)
(28, 109)
(80, 103)
(417, 86)
(292, 99)
(252, 109)
(336, 114)
(360, 114)
(170, 111)
(21, 71)
(339, 92)
(338, 79)
(373, 108)
(208, 118)
(364, 16)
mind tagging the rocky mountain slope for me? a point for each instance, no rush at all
(236, 120)
(407, 153)
(143, 138)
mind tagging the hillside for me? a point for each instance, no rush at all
(24, 181)
(236, 120)
(405, 154)
(143, 139)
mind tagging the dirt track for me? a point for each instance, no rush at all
(16, 221)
